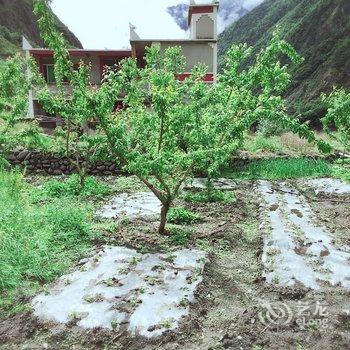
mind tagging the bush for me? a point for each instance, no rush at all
(182, 216)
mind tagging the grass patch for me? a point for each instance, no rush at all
(341, 169)
(38, 240)
(179, 237)
(71, 187)
(260, 143)
(209, 195)
(181, 216)
(273, 169)
(128, 184)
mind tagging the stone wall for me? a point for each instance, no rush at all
(53, 164)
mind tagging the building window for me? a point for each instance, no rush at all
(49, 73)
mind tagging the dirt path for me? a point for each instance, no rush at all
(235, 307)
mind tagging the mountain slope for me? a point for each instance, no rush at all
(318, 29)
(17, 19)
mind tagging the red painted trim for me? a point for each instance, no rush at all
(207, 78)
(202, 9)
(198, 9)
(114, 53)
(118, 54)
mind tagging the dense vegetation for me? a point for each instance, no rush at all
(43, 231)
(320, 32)
(17, 19)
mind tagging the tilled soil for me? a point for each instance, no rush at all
(235, 308)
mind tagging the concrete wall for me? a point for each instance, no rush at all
(205, 27)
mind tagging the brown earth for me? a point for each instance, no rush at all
(229, 311)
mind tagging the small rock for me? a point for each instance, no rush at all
(324, 253)
(273, 207)
(297, 212)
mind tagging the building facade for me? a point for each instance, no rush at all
(200, 47)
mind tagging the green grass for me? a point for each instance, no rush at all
(209, 196)
(70, 187)
(276, 168)
(39, 240)
(180, 216)
(341, 169)
(179, 236)
(261, 142)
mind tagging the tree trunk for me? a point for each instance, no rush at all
(82, 177)
(163, 217)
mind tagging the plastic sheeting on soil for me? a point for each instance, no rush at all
(218, 184)
(147, 293)
(295, 248)
(329, 186)
(136, 205)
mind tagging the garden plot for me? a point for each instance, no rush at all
(131, 206)
(219, 184)
(296, 249)
(147, 294)
(329, 186)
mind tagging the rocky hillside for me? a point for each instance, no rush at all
(318, 29)
(17, 19)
